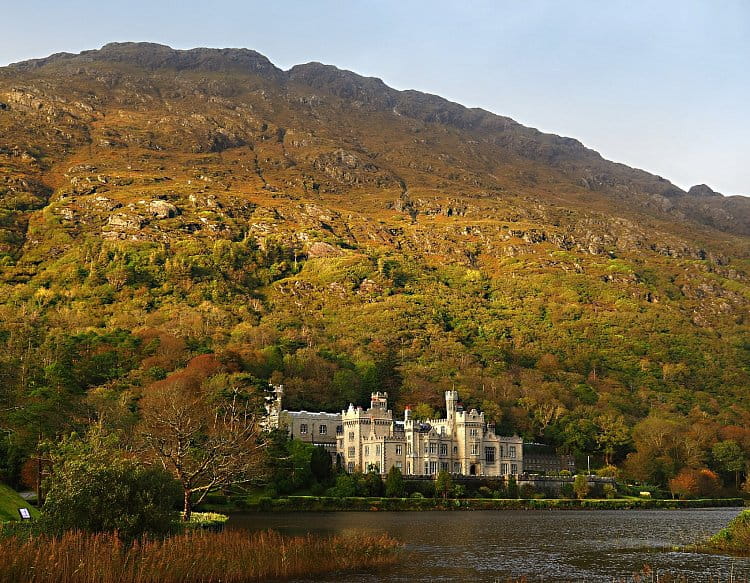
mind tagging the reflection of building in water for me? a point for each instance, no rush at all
(460, 443)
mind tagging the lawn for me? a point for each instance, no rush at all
(10, 502)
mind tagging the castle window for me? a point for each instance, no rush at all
(323, 429)
(489, 455)
(351, 452)
(513, 469)
(456, 468)
(502, 454)
(512, 452)
(433, 447)
(351, 436)
(473, 431)
(408, 449)
(398, 465)
(303, 429)
(339, 430)
(443, 449)
(455, 450)
(377, 450)
(408, 467)
(426, 468)
(367, 450)
(474, 449)
(443, 466)
(399, 450)
(433, 467)
(350, 467)
(504, 469)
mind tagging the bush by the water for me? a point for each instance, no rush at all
(230, 557)
(206, 520)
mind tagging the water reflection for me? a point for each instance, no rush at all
(540, 545)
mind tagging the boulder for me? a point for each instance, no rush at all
(126, 221)
(162, 209)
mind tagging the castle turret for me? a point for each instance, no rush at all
(379, 401)
(407, 412)
(451, 402)
(273, 407)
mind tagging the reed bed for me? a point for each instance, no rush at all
(228, 557)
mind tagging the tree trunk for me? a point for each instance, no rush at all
(39, 500)
(187, 508)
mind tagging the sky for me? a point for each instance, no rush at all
(662, 85)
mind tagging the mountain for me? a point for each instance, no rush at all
(338, 236)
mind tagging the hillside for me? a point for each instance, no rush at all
(325, 231)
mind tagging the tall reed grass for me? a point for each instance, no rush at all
(229, 557)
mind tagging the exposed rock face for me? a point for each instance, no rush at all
(702, 190)
(320, 249)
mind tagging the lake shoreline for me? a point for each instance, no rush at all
(487, 546)
(330, 504)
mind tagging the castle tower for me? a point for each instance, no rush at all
(451, 402)
(379, 401)
(273, 407)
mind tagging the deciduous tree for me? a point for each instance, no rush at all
(208, 436)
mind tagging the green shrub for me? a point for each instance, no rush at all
(581, 486)
(394, 483)
(485, 492)
(93, 489)
(265, 504)
(527, 491)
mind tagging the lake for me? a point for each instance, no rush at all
(546, 545)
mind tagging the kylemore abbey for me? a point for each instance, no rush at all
(362, 440)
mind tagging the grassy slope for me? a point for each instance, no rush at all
(733, 540)
(10, 502)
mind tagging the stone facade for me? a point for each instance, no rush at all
(542, 459)
(462, 443)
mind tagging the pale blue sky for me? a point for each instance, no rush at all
(662, 85)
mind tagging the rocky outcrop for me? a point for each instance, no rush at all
(702, 190)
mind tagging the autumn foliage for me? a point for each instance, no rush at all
(692, 483)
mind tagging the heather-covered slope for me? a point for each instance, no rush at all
(339, 236)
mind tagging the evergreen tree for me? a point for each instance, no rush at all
(394, 483)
